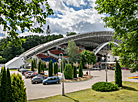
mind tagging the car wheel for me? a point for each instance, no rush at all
(46, 83)
(57, 82)
(36, 82)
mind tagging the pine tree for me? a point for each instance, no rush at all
(32, 66)
(75, 72)
(42, 67)
(34, 62)
(39, 67)
(4, 86)
(50, 68)
(80, 70)
(9, 93)
(118, 74)
(68, 72)
(18, 88)
(55, 72)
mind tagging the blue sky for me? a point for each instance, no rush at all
(73, 16)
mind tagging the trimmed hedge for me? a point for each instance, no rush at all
(104, 87)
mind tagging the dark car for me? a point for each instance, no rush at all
(53, 79)
(24, 71)
(37, 79)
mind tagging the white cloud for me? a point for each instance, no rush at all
(29, 33)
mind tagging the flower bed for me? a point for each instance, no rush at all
(78, 79)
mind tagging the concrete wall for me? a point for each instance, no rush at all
(14, 63)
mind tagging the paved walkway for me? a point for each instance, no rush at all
(35, 91)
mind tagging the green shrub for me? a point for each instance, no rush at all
(80, 69)
(75, 72)
(68, 72)
(118, 74)
(39, 66)
(50, 68)
(104, 87)
(18, 88)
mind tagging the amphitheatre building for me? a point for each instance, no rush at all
(96, 41)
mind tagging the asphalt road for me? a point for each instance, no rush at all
(35, 91)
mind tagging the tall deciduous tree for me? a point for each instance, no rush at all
(72, 51)
(87, 56)
(122, 16)
(19, 13)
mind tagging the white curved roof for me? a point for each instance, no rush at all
(95, 38)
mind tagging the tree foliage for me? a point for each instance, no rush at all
(50, 68)
(68, 71)
(87, 56)
(31, 41)
(80, 70)
(18, 88)
(118, 74)
(19, 14)
(55, 68)
(39, 66)
(72, 51)
(62, 62)
(74, 72)
(122, 17)
(72, 33)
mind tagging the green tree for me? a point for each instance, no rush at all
(39, 66)
(34, 62)
(72, 33)
(122, 17)
(62, 62)
(50, 68)
(118, 74)
(20, 13)
(4, 91)
(42, 67)
(87, 56)
(80, 70)
(68, 72)
(18, 88)
(32, 65)
(55, 68)
(9, 92)
(75, 72)
(72, 51)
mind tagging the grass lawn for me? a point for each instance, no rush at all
(29, 61)
(13, 70)
(128, 93)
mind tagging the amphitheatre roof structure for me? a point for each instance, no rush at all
(92, 39)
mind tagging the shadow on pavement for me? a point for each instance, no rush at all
(71, 98)
(129, 88)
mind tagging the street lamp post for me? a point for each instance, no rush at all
(63, 93)
(106, 65)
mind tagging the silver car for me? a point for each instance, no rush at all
(37, 79)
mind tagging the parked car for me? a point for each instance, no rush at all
(28, 74)
(34, 74)
(23, 71)
(53, 79)
(37, 79)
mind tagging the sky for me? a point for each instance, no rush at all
(72, 16)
